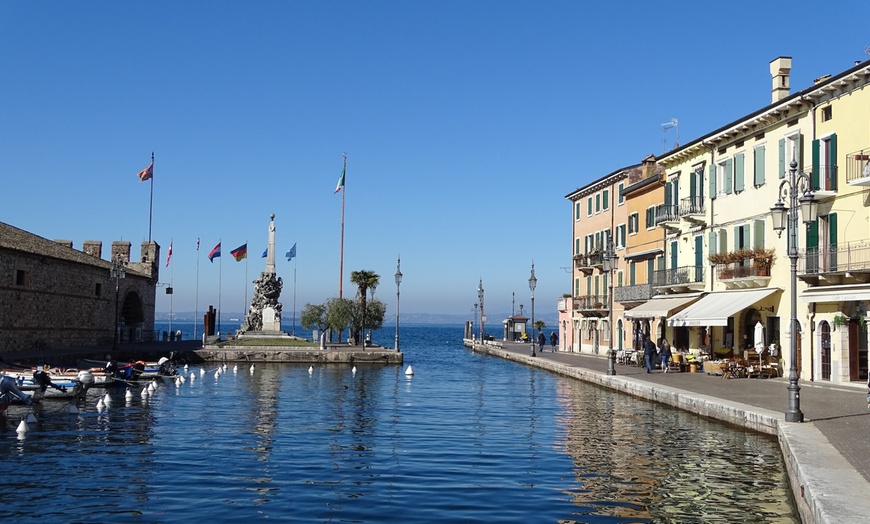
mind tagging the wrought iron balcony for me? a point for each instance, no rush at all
(858, 168)
(680, 279)
(592, 303)
(692, 208)
(849, 257)
(749, 273)
(589, 261)
(633, 294)
(667, 215)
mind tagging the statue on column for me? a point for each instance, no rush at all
(264, 314)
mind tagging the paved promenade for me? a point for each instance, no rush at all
(828, 456)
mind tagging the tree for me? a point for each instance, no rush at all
(364, 280)
(314, 315)
(339, 313)
(540, 325)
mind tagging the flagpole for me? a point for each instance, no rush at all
(151, 201)
(245, 305)
(341, 252)
(294, 297)
(196, 300)
(171, 269)
(220, 275)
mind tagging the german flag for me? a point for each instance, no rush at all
(240, 252)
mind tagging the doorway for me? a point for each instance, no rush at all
(857, 351)
(825, 343)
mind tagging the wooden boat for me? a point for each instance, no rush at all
(136, 370)
(41, 384)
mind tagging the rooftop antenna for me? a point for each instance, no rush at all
(675, 124)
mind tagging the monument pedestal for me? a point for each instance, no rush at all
(271, 321)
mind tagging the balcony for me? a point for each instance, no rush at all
(634, 295)
(825, 176)
(750, 273)
(592, 305)
(565, 304)
(692, 208)
(858, 168)
(679, 279)
(588, 262)
(841, 263)
(667, 215)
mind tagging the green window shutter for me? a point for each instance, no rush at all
(712, 174)
(597, 202)
(758, 234)
(723, 241)
(650, 269)
(676, 196)
(738, 172)
(576, 287)
(832, 230)
(692, 186)
(798, 156)
(619, 278)
(744, 241)
(813, 235)
(589, 285)
(814, 177)
(589, 206)
(597, 288)
(597, 239)
(699, 251)
(577, 246)
(759, 166)
(832, 168)
(729, 176)
(711, 241)
(736, 238)
(782, 165)
(668, 188)
(606, 199)
(674, 254)
(577, 211)
(632, 273)
(620, 187)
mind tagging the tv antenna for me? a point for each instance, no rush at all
(676, 125)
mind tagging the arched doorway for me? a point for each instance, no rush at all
(619, 335)
(825, 348)
(132, 321)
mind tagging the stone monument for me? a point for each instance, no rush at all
(264, 315)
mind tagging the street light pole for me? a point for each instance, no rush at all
(797, 188)
(398, 282)
(609, 264)
(533, 282)
(117, 272)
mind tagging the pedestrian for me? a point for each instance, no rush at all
(542, 339)
(554, 340)
(666, 354)
(649, 352)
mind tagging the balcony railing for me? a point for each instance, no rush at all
(667, 213)
(589, 260)
(858, 168)
(692, 206)
(635, 293)
(679, 276)
(591, 302)
(746, 269)
(827, 177)
(849, 256)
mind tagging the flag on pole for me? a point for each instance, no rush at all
(291, 253)
(147, 173)
(216, 252)
(169, 255)
(240, 252)
(265, 253)
(340, 185)
(197, 243)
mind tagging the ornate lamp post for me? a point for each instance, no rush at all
(398, 283)
(482, 315)
(533, 282)
(117, 272)
(608, 265)
(797, 189)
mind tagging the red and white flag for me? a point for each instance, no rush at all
(146, 173)
(169, 255)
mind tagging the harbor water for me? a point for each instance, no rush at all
(466, 438)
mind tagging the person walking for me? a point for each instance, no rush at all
(649, 352)
(666, 354)
(542, 339)
(554, 340)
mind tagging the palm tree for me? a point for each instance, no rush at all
(364, 281)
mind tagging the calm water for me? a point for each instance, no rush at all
(466, 439)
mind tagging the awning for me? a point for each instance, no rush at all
(715, 308)
(662, 306)
(836, 293)
(649, 253)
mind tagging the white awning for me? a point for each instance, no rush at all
(715, 308)
(836, 293)
(662, 306)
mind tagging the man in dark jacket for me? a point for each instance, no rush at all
(649, 353)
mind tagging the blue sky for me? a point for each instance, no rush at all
(465, 124)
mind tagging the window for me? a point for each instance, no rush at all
(758, 166)
(741, 237)
(619, 278)
(789, 149)
(576, 287)
(738, 172)
(20, 277)
(598, 202)
(650, 217)
(758, 234)
(632, 273)
(606, 199)
(620, 236)
(824, 174)
(98, 290)
(621, 199)
(725, 177)
(577, 246)
(633, 223)
(577, 211)
(589, 206)
(827, 114)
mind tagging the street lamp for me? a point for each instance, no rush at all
(398, 282)
(117, 272)
(482, 315)
(533, 282)
(608, 265)
(797, 188)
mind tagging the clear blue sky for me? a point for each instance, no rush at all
(465, 124)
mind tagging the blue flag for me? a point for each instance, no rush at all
(291, 253)
(265, 252)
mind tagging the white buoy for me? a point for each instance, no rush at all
(310, 369)
(100, 405)
(178, 382)
(192, 377)
(217, 374)
(30, 419)
(202, 372)
(353, 370)
(72, 410)
(129, 394)
(235, 369)
(185, 367)
(182, 379)
(144, 393)
(107, 400)
(409, 371)
(22, 427)
(252, 368)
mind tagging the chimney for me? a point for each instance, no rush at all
(93, 248)
(779, 72)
